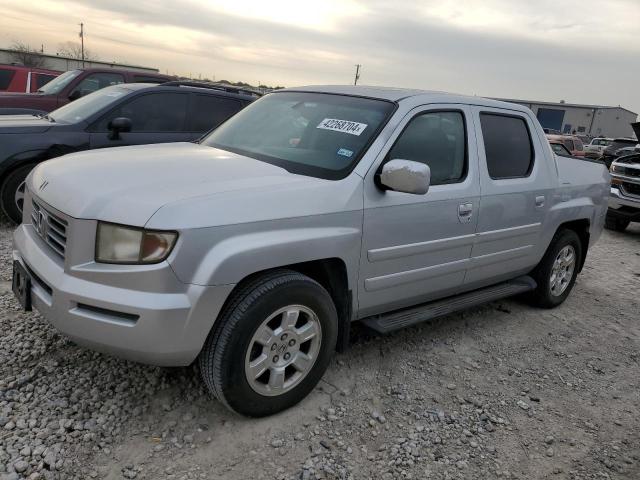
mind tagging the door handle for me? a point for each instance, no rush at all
(540, 201)
(465, 212)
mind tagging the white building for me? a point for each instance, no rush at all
(593, 120)
(62, 64)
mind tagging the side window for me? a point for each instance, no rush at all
(210, 111)
(5, 78)
(42, 79)
(507, 144)
(437, 139)
(96, 81)
(578, 143)
(154, 112)
(568, 143)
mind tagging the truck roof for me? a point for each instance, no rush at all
(396, 94)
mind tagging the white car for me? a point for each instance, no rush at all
(596, 147)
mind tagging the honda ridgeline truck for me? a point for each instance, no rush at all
(252, 250)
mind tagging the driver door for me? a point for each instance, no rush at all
(155, 118)
(416, 248)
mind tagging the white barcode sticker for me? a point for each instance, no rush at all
(344, 126)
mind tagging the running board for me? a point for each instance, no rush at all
(389, 322)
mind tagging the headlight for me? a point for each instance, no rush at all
(130, 245)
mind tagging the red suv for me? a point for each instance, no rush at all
(70, 86)
(14, 78)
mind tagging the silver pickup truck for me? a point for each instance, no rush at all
(253, 250)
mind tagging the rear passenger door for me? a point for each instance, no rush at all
(515, 195)
(206, 112)
(155, 117)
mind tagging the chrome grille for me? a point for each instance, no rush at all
(51, 228)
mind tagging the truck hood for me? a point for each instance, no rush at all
(23, 124)
(128, 185)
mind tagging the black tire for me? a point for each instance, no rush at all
(223, 356)
(542, 295)
(615, 223)
(10, 185)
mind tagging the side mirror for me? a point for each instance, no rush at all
(405, 176)
(117, 126)
(76, 94)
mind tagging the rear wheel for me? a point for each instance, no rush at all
(12, 192)
(615, 223)
(557, 271)
(271, 345)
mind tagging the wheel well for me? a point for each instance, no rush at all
(331, 273)
(581, 227)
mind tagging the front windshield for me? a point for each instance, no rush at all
(315, 134)
(86, 106)
(56, 85)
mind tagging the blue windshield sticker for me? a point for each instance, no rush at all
(345, 153)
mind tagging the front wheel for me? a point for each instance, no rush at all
(557, 271)
(271, 345)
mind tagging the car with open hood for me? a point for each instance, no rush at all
(624, 202)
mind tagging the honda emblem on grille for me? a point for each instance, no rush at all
(40, 223)
(43, 185)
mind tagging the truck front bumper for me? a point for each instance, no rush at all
(623, 206)
(166, 327)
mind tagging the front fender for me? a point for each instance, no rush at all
(235, 252)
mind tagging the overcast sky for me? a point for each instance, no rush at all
(582, 51)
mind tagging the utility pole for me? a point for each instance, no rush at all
(82, 42)
(355, 82)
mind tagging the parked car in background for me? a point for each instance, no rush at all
(15, 78)
(624, 202)
(585, 139)
(573, 143)
(70, 86)
(559, 148)
(596, 147)
(127, 114)
(253, 250)
(614, 149)
(552, 131)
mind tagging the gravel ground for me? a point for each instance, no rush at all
(501, 391)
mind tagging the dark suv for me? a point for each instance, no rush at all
(70, 86)
(127, 114)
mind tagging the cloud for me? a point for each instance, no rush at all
(577, 51)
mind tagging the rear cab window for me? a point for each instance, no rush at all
(508, 145)
(5, 78)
